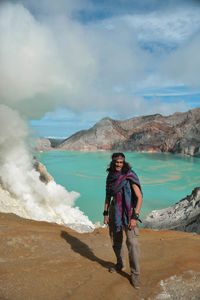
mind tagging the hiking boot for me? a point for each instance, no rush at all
(135, 281)
(116, 268)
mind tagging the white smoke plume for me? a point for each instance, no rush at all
(34, 199)
(36, 73)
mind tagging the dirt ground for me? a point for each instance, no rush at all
(40, 260)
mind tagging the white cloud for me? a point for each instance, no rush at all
(51, 59)
(59, 61)
(120, 59)
(39, 64)
(51, 8)
(122, 106)
(170, 27)
(26, 57)
(184, 64)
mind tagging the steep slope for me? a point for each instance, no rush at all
(100, 137)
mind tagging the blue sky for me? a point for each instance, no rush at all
(67, 64)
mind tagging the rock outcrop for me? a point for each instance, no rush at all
(43, 145)
(178, 133)
(184, 215)
(44, 175)
(100, 137)
(42, 260)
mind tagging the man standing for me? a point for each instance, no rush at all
(121, 212)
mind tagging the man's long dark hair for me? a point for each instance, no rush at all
(126, 167)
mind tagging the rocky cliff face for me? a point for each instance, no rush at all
(178, 133)
(100, 137)
(184, 215)
(43, 145)
(44, 175)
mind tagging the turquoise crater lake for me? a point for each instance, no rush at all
(165, 178)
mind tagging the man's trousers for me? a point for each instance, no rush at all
(131, 242)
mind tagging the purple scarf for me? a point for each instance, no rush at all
(119, 186)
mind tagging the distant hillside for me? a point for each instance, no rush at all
(178, 133)
(46, 144)
(43, 144)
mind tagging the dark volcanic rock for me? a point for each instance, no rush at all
(178, 133)
(184, 215)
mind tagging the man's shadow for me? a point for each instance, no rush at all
(83, 249)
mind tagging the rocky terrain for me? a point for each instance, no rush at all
(184, 215)
(178, 133)
(44, 175)
(43, 145)
(40, 260)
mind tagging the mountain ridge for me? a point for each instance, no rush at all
(176, 133)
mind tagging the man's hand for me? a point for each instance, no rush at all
(106, 220)
(132, 224)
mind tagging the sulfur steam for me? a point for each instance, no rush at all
(33, 198)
